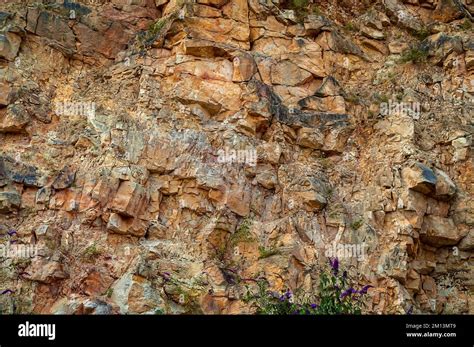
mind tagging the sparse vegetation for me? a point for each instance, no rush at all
(91, 252)
(466, 25)
(336, 296)
(158, 29)
(109, 292)
(353, 98)
(422, 34)
(243, 234)
(267, 252)
(355, 225)
(316, 10)
(302, 8)
(415, 54)
(380, 98)
(350, 26)
(148, 37)
(299, 4)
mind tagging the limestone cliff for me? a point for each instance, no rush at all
(154, 153)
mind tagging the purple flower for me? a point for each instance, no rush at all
(348, 292)
(334, 265)
(7, 291)
(410, 310)
(344, 274)
(365, 288)
(313, 306)
(286, 296)
(12, 232)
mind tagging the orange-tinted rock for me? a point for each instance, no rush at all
(128, 199)
(438, 231)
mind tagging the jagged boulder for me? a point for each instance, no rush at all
(54, 28)
(14, 118)
(420, 178)
(438, 231)
(45, 271)
(129, 199)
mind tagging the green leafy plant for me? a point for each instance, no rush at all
(380, 97)
(422, 33)
(299, 4)
(466, 25)
(243, 234)
(316, 10)
(350, 26)
(415, 54)
(109, 292)
(159, 28)
(353, 98)
(336, 296)
(300, 8)
(333, 298)
(267, 302)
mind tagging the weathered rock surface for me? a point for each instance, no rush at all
(153, 152)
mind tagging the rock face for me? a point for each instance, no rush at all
(438, 231)
(153, 152)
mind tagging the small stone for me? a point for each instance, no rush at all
(266, 177)
(42, 230)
